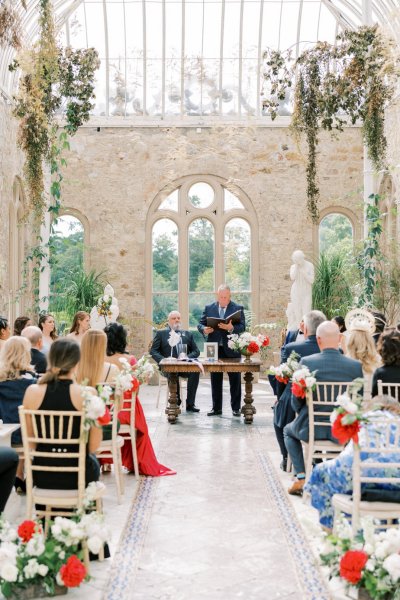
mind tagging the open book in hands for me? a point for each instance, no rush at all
(214, 321)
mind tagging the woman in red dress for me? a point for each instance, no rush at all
(148, 464)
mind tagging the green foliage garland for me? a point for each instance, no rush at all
(352, 81)
(371, 253)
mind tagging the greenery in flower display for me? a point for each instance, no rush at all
(349, 82)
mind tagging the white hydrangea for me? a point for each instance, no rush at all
(124, 381)
(9, 572)
(31, 569)
(8, 552)
(95, 543)
(345, 402)
(371, 564)
(94, 407)
(310, 381)
(43, 570)
(392, 566)
(35, 546)
(8, 533)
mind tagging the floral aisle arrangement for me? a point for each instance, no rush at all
(135, 372)
(47, 565)
(370, 561)
(247, 343)
(303, 381)
(283, 373)
(144, 369)
(95, 406)
(346, 419)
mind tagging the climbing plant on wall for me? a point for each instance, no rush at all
(352, 81)
(371, 255)
(10, 23)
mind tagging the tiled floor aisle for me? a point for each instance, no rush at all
(217, 529)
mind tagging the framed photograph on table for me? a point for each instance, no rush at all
(211, 351)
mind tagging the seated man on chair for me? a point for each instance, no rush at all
(160, 349)
(329, 365)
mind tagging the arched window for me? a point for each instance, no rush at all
(201, 234)
(336, 234)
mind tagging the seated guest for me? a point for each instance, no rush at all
(20, 323)
(380, 324)
(329, 365)
(293, 335)
(48, 328)
(80, 326)
(16, 375)
(283, 411)
(336, 476)
(4, 331)
(161, 349)
(93, 367)
(361, 346)
(8, 469)
(148, 464)
(389, 349)
(57, 391)
(340, 322)
(34, 335)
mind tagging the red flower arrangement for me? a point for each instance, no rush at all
(299, 388)
(73, 572)
(253, 347)
(351, 565)
(27, 529)
(302, 380)
(344, 432)
(104, 419)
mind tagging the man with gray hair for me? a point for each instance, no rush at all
(35, 337)
(328, 365)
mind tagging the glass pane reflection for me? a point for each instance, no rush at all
(201, 256)
(201, 195)
(165, 256)
(237, 254)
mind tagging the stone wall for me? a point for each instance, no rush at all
(114, 174)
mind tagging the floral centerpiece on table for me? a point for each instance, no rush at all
(371, 560)
(303, 381)
(283, 372)
(29, 559)
(247, 343)
(346, 419)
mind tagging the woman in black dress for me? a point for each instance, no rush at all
(389, 348)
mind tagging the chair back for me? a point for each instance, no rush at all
(380, 437)
(389, 389)
(321, 403)
(63, 437)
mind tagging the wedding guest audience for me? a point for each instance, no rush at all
(16, 376)
(283, 411)
(48, 327)
(8, 469)
(389, 349)
(160, 349)
(80, 326)
(328, 365)
(380, 324)
(4, 331)
(361, 347)
(93, 367)
(148, 464)
(35, 337)
(57, 391)
(336, 476)
(20, 323)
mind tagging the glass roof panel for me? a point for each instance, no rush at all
(156, 63)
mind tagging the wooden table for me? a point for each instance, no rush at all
(5, 433)
(225, 365)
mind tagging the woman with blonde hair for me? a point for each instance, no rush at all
(93, 368)
(80, 326)
(16, 375)
(361, 347)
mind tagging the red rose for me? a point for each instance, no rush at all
(282, 379)
(266, 342)
(105, 419)
(73, 572)
(344, 433)
(352, 564)
(298, 390)
(253, 347)
(27, 529)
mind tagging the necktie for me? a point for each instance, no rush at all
(221, 312)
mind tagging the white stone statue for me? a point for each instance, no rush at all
(302, 275)
(106, 310)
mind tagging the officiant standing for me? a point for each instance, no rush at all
(223, 308)
(160, 349)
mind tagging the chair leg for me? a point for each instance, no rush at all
(117, 473)
(134, 456)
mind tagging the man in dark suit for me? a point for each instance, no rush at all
(222, 309)
(329, 365)
(160, 349)
(35, 337)
(283, 412)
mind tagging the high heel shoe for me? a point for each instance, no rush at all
(20, 486)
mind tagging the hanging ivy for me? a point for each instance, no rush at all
(10, 23)
(352, 81)
(371, 253)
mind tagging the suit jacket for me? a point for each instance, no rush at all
(330, 365)
(303, 348)
(38, 360)
(161, 349)
(220, 335)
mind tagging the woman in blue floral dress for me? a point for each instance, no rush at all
(336, 476)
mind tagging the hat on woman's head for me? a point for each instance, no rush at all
(360, 319)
